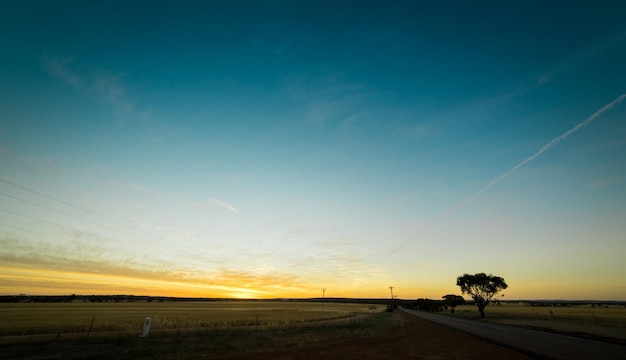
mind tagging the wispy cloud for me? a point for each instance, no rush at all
(600, 183)
(136, 187)
(221, 283)
(422, 131)
(5, 149)
(60, 68)
(195, 205)
(582, 57)
(328, 100)
(132, 188)
(114, 91)
(90, 268)
(223, 205)
(108, 87)
(477, 108)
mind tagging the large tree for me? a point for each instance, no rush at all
(481, 288)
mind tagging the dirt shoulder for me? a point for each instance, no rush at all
(417, 339)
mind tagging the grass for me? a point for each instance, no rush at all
(203, 342)
(604, 322)
(64, 318)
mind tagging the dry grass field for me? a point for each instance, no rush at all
(88, 317)
(608, 322)
(262, 329)
(379, 335)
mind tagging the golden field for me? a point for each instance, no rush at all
(83, 317)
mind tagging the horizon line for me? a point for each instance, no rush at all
(293, 298)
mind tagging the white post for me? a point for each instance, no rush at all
(146, 327)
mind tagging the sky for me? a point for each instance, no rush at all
(265, 149)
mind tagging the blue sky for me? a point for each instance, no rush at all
(273, 148)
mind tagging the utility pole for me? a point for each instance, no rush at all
(391, 288)
(323, 298)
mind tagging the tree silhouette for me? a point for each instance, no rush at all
(452, 301)
(481, 288)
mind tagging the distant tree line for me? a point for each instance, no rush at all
(419, 304)
(132, 298)
(73, 298)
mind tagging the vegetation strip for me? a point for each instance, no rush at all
(201, 342)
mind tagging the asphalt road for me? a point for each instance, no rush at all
(539, 344)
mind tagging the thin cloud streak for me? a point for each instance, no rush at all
(574, 61)
(58, 68)
(582, 57)
(114, 91)
(223, 205)
(107, 87)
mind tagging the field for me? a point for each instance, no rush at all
(179, 330)
(354, 335)
(263, 329)
(92, 318)
(604, 322)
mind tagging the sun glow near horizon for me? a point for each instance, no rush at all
(46, 282)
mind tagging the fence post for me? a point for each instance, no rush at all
(146, 327)
(91, 326)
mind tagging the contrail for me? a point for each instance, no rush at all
(496, 180)
(545, 148)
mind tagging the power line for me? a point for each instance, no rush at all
(165, 244)
(78, 208)
(36, 232)
(66, 214)
(56, 224)
(39, 219)
(162, 243)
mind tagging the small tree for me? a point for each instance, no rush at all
(430, 305)
(481, 288)
(452, 301)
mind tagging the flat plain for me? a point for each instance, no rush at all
(93, 317)
(278, 329)
(378, 335)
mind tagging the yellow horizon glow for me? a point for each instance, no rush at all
(35, 281)
(55, 282)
